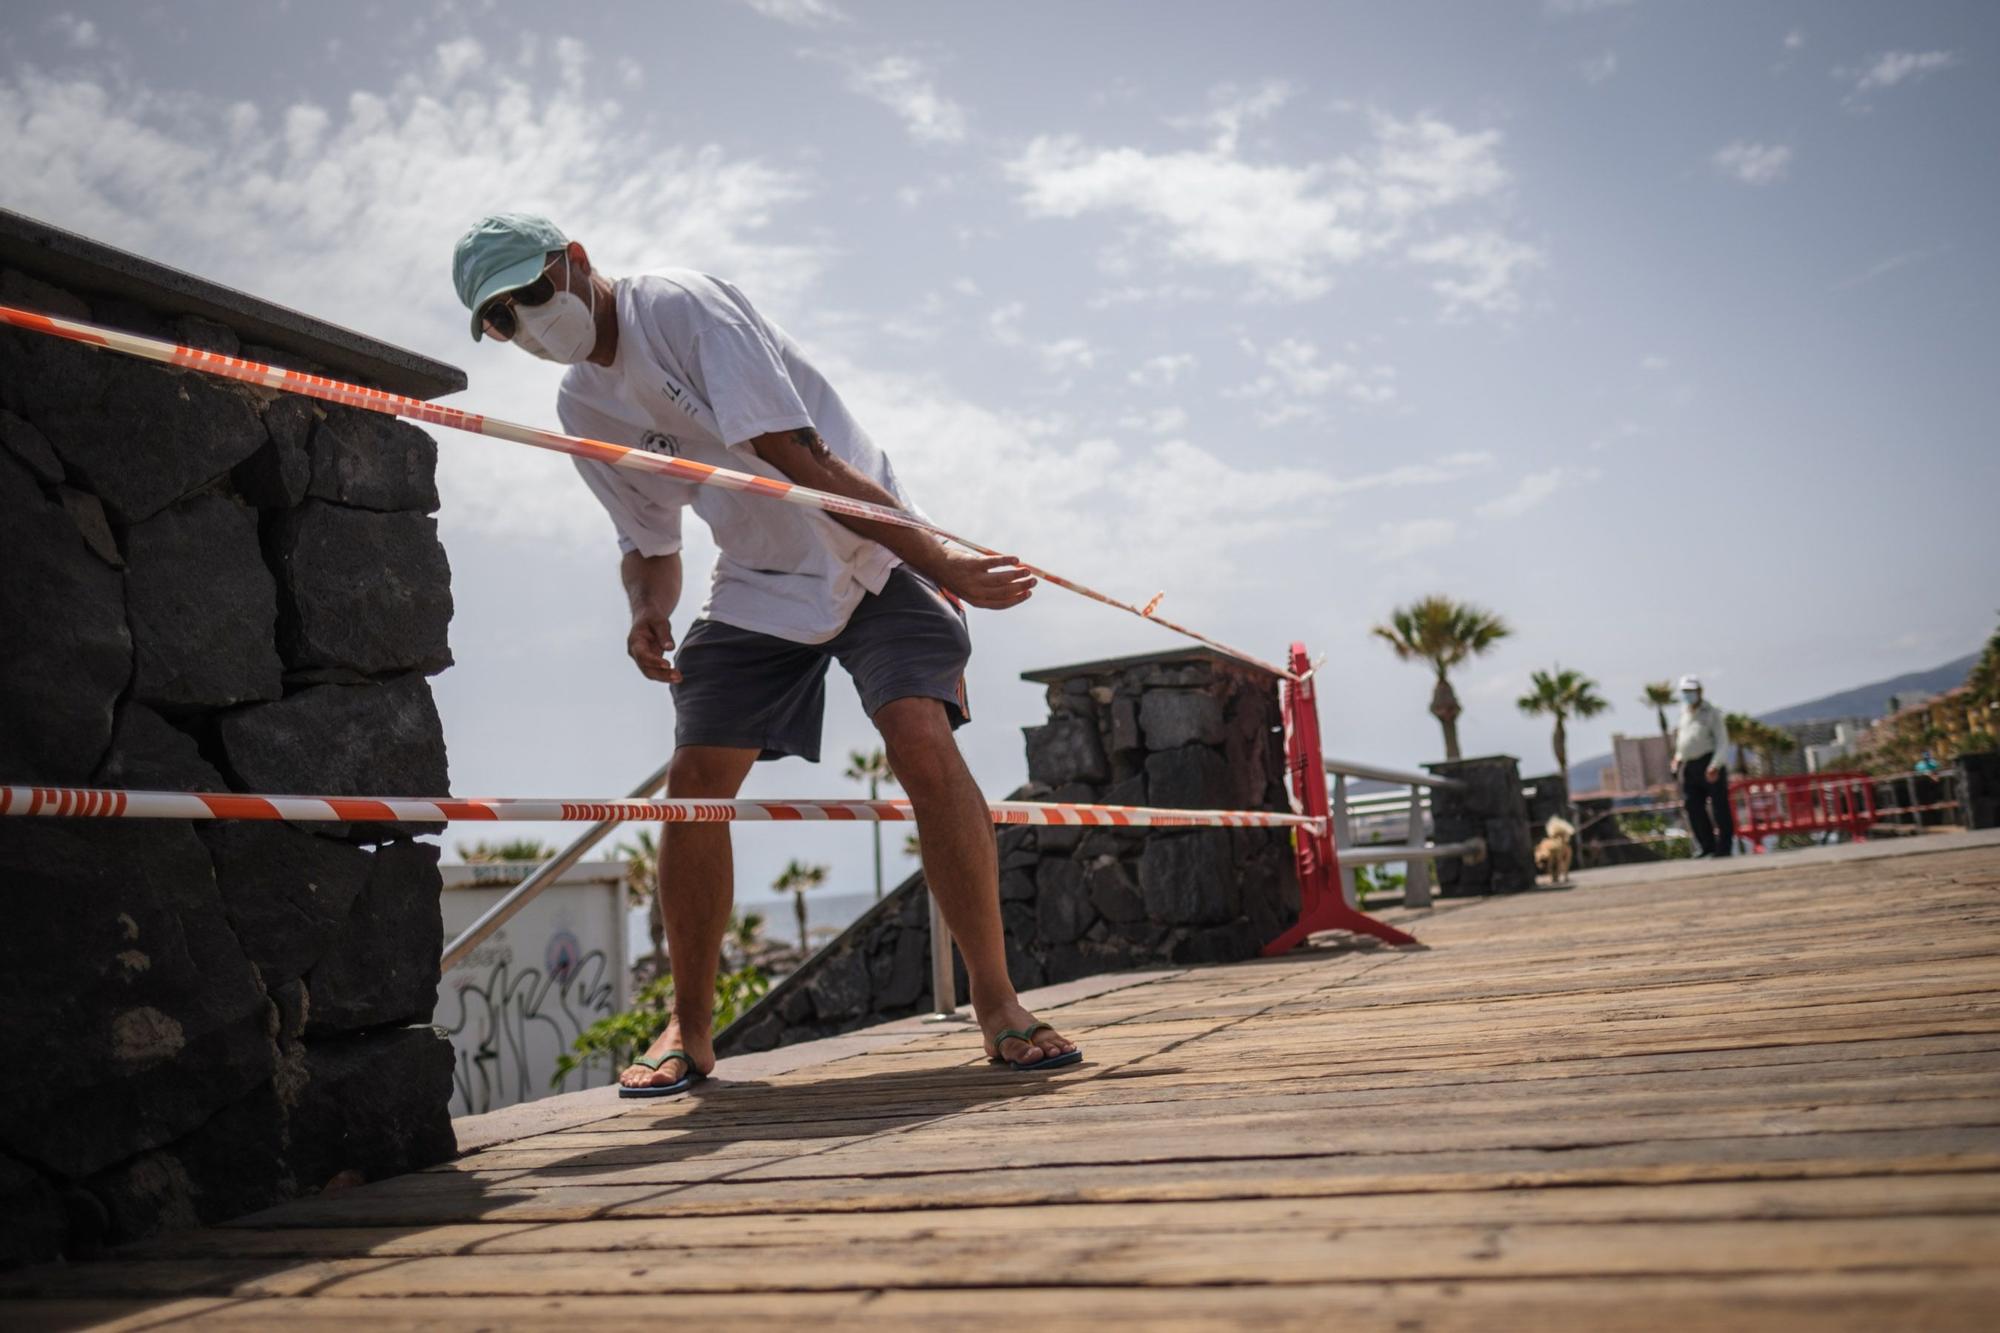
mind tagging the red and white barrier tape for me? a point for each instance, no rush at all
(110, 803)
(617, 455)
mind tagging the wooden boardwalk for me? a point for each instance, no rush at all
(1765, 1101)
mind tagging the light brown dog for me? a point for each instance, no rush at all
(1553, 852)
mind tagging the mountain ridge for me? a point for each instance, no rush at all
(1869, 701)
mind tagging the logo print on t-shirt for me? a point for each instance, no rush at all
(661, 443)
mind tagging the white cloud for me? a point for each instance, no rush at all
(455, 59)
(1882, 268)
(904, 85)
(1067, 354)
(1295, 372)
(1530, 491)
(350, 213)
(1572, 7)
(1158, 372)
(1004, 323)
(1753, 163)
(1794, 39)
(1654, 361)
(801, 13)
(1288, 227)
(1488, 265)
(1438, 472)
(1598, 68)
(1399, 541)
(1893, 67)
(1157, 421)
(78, 32)
(1231, 109)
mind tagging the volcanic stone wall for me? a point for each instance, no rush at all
(1192, 730)
(209, 587)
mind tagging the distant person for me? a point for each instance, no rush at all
(1701, 751)
(1927, 766)
(678, 363)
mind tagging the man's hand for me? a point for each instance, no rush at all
(650, 643)
(1714, 774)
(990, 582)
(1676, 768)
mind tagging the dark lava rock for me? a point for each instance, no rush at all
(203, 608)
(366, 591)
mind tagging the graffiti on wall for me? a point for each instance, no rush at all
(512, 1022)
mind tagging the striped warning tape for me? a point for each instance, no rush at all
(617, 455)
(109, 803)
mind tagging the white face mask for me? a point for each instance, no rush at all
(561, 329)
(1690, 696)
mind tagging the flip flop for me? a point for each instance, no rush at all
(1028, 1035)
(692, 1077)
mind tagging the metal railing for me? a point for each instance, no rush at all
(545, 875)
(944, 987)
(1416, 852)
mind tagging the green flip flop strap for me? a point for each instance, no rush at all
(654, 1062)
(1019, 1034)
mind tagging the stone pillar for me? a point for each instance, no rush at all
(1193, 730)
(1979, 788)
(1489, 805)
(209, 587)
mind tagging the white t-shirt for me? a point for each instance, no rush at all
(699, 374)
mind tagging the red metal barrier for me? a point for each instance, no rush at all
(1322, 906)
(1803, 803)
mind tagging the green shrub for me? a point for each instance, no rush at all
(620, 1037)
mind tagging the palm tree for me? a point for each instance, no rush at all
(1742, 727)
(1656, 696)
(1772, 741)
(1443, 633)
(744, 934)
(796, 878)
(642, 882)
(1562, 694)
(873, 769)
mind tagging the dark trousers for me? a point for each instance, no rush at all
(1714, 833)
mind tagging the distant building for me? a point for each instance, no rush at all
(1822, 745)
(1638, 764)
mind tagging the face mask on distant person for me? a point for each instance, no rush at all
(1690, 695)
(561, 329)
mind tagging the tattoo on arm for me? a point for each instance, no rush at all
(808, 439)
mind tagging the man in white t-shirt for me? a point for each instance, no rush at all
(682, 364)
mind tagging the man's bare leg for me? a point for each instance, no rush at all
(961, 866)
(696, 860)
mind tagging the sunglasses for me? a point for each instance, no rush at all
(498, 316)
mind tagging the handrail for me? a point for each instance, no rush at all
(1379, 853)
(545, 874)
(1348, 768)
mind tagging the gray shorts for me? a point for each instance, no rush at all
(751, 691)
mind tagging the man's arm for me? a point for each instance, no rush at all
(992, 582)
(1721, 733)
(653, 588)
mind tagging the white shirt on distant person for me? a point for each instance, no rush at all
(1702, 731)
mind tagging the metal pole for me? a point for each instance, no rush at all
(1417, 873)
(1343, 836)
(545, 874)
(944, 985)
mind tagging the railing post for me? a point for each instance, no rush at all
(1417, 872)
(1343, 837)
(944, 985)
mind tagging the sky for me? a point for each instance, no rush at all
(1666, 330)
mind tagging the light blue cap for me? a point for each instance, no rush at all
(499, 253)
